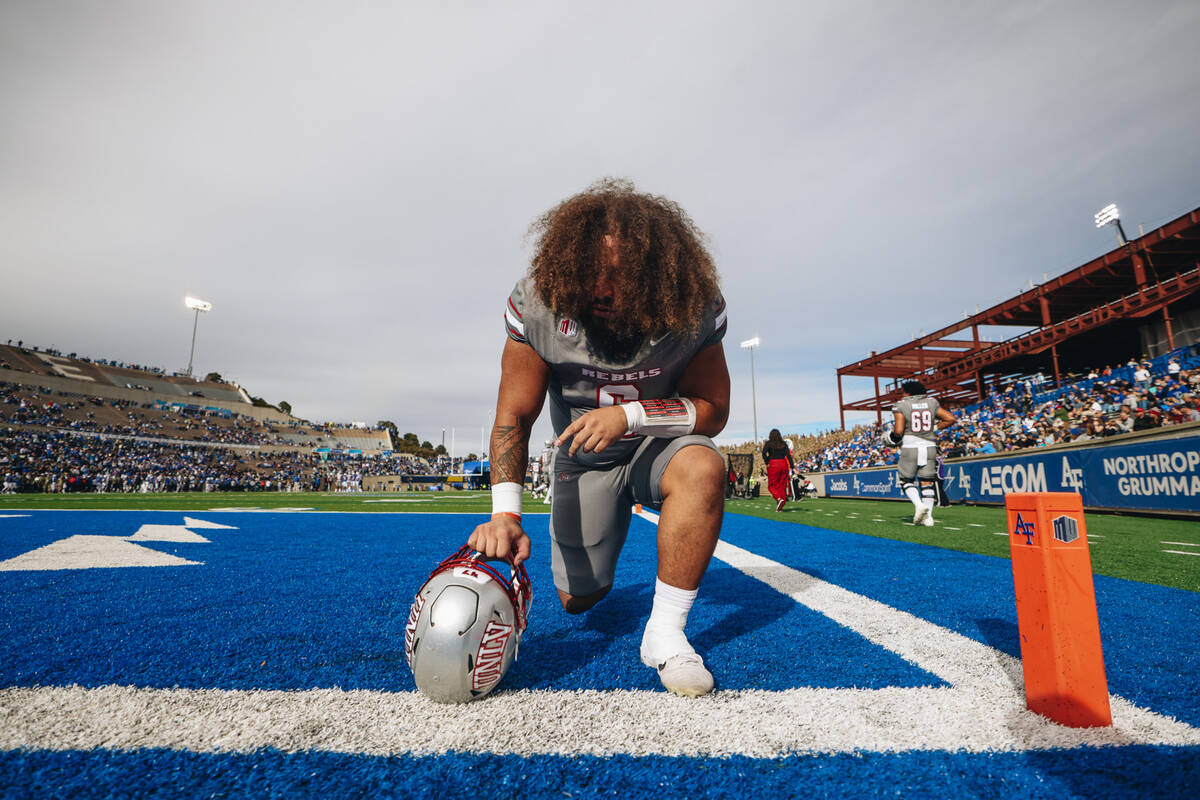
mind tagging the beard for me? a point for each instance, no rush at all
(609, 343)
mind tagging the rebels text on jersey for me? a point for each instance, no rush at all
(581, 381)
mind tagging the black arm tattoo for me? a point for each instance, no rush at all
(510, 453)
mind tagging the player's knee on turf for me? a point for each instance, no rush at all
(573, 604)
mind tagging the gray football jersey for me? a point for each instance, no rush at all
(580, 381)
(920, 416)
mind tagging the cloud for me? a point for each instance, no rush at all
(350, 186)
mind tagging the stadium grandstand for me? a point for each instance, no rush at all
(1104, 362)
(1139, 299)
(77, 424)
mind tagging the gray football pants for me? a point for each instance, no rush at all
(591, 509)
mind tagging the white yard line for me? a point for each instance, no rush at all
(1183, 552)
(1184, 544)
(759, 724)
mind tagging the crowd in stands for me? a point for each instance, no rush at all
(54, 442)
(1032, 412)
(57, 441)
(49, 460)
(40, 406)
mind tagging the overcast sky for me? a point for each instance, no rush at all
(350, 183)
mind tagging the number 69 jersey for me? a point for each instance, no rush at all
(581, 381)
(920, 416)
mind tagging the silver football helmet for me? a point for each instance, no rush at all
(464, 627)
(886, 433)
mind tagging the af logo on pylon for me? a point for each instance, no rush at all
(1025, 529)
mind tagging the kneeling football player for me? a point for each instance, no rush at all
(621, 320)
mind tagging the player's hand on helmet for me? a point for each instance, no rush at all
(595, 430)
(499, 537)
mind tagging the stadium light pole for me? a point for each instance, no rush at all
(197, 306)
(1110, 214)
(750, 344)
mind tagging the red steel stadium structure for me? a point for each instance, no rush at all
(1138, 298)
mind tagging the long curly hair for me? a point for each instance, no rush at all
(666, 277)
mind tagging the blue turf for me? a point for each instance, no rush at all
(317, 600)
(291, 601)
(1111, 773)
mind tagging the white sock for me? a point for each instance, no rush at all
(664, 636)
(929, 504)
(912, 494)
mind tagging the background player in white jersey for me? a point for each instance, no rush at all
(620, 320)
(916, 420)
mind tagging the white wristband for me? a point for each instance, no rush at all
(666, 418)
(506, 498)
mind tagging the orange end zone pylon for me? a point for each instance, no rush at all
(1056, 609)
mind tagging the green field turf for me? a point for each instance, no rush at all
(1127, 547)
(1121, 546)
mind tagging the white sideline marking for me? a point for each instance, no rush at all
(91, 552)
(1183, 552)
(259, 509)
(166, 533)
(12, 516)
(1185, 544)
(86, 551)
(190, 522)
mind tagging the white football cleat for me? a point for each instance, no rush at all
(928, 521)
(921, 515)
(685, 675)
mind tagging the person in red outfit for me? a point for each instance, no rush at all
(778, 458)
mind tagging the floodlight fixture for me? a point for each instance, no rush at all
(1111, 215)
(750, 344)
(196, 305)
(1108, 214)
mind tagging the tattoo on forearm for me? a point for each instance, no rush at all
(510, 453)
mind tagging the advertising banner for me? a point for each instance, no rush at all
(1157, 475)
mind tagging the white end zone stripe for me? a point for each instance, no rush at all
(758, 724)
